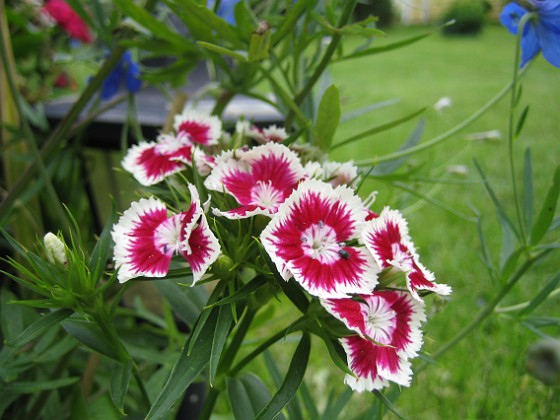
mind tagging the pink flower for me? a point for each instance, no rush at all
(388, 240)
(313, 238)
(147, 236)
(335, 173)
(388, 328)
(260, 179)
(65, 16)
(150, 163)
(268, 134)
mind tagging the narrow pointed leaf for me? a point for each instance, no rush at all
(335, 406)
(238, 55)
(521, 121)
(499, 208)
(379, 129)
(91, 335)
(147, 20)
(243, 292)
(186, 370)
(102, 250)
(33, 387)
(328, 118)
(541, 297)
(528, 190)
(390, 166)
(388, 404)
(247, 395)
(225, 318)
(40, 326)
(119, 384)
(187, 302)
(548, 209)
(292, 381)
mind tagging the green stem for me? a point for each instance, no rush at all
(511, 133)
(209, 402)
(319, 70)
(269, 342)
(237, 340)
(444, 136)
(488, 309)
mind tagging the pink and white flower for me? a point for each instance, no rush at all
(335, 173)
(147, 237)
(201, 129)
(312, 239)
(272, 133)
(388, 240)
(151, 162)
(388, 327)
(260, 179)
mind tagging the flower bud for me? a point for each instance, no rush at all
(55, 248)
(543, 361)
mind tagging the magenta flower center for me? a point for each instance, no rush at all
(319, 242)
(381, 321)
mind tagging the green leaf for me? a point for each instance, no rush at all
(40, 326)
(242, 56)
(292, 15)
(186, 370)
(355, 29)
(328, 118)
(546, 214)
(528, 190)
(388, 403)
(335, 406)
(148, 21)
(225, 318)
(119, 384)
(294, 411)
(390, 166)
(91, 335)
(203, 21)
(521, 120)
(541, 297)
(242, 292)
(247, 395)
(187, 302)
(502, 215)
(33, 387)
(292, 381)
(388, 47)
(379, 129)
(102, 250)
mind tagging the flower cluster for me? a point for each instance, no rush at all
(361, 266)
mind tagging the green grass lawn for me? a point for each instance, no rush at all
(484, 376)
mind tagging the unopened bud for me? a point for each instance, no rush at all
(543, 361)
(56, 252)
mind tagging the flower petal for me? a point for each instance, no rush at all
(200, 128)
(261, 178)
(152, 162)
(203, 249)
(307, 238)
(388, 240)
(140, 248)
(388, 324)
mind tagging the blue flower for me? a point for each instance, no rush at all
(226, 9)
(542, 32)
(126, 71)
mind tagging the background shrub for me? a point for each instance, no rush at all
(469, 16)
